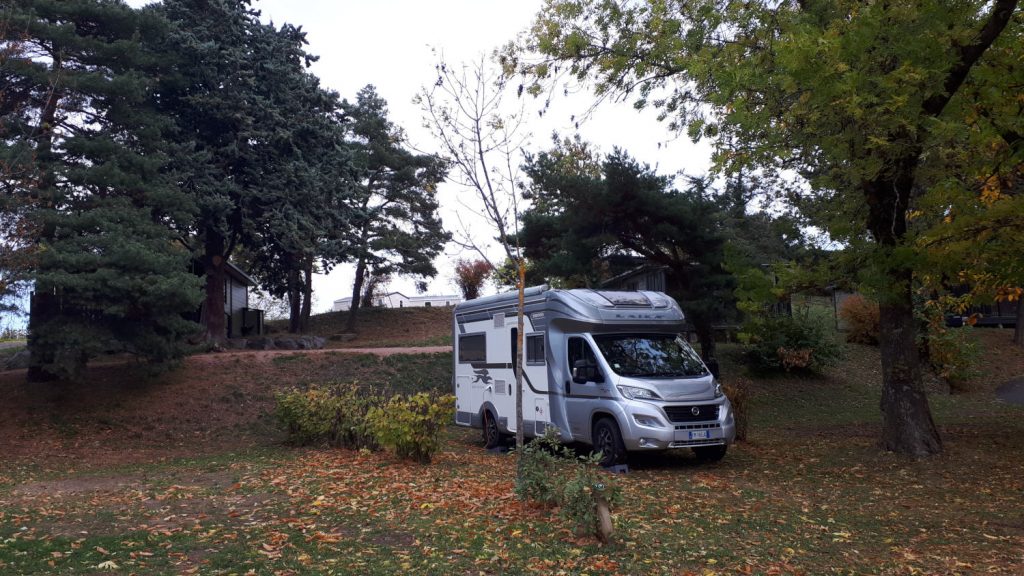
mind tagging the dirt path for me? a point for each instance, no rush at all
(212, 357)
(382, 352)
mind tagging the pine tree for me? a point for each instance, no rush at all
(398, 229)
(97, 201)
(265, 165)
(582, 218)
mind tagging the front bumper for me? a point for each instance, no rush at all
(638, 435)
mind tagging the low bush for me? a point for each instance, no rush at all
(951, 352)
(334, 415)
(803, 341)
(539, 469)
(411, 425)
(550, 473)
(862, 319)
(588, 499)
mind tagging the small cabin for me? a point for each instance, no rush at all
(646, 277)
(239, 319)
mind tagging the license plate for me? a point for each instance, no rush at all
(699, 435)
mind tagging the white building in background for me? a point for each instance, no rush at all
(399, 300)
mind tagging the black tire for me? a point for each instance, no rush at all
(711, 453)
(492, 436)
(608, 441)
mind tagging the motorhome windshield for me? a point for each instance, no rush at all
(650, 355)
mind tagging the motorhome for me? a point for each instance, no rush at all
(606, 369)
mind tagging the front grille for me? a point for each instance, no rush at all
(701, 426)
(686, 413)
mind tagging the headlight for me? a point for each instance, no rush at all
(718, 390)
(636, 393)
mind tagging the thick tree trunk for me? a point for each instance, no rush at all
(42, 309)
(307, 294)
(214, 267)
(1018, 332)
(294, 296)
(907, 425)
(357, 287)
(907, 420)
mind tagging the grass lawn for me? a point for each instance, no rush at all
(383, 327)
(809, 493)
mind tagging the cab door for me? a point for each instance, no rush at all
(582, 380)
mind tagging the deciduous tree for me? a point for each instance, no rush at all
(861, 99)
(470, 276)
(481, 137)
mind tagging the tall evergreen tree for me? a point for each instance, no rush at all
(582, 217)
(257, 125)
(301, 218)
(98, 203)
(398, 229)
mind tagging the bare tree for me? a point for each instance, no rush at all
(464, 110)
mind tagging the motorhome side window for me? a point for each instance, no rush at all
(472, 348)
(534, 348)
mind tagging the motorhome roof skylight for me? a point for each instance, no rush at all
(658, 301)
(624, 298)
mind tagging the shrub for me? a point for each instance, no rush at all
(539, 469)
(307, 415)
(803, 341)
(951, 352)
(588, 498)
(738, 398)
(862, 319)
(411, 425)
(330, 414)
(550, 473)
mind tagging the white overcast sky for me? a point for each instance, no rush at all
(388, 43)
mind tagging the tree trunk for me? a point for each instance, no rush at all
(43, 305)
(357, 287)
(706, 338)
(605, 528)
(307, 294)
(213, 266)
(907, 425)
(42, 309)
(294, 295)
(907, 420)
(1018, 332)
(520, 437)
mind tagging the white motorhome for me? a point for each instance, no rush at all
(607, 369)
